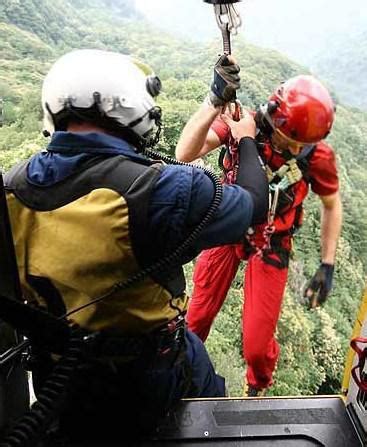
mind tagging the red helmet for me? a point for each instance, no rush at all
(302, 109)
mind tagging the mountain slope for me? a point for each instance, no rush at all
(313, 342)
(344, 65)
(58, 21)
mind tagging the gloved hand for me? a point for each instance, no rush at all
(225, 82)
(320, 285)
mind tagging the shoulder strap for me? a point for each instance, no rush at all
(304, 157)
(10, 283)
(32, 322)
(116, 172)
(306, 152)
(222, 154)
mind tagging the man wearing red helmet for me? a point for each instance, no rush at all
(291, 127)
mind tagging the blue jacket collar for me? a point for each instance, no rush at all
(89, 142)
(67, 150)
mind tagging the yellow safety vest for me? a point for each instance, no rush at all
(76, 239)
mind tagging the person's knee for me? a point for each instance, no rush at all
(255, 348)
(205, 381)
(254, 355)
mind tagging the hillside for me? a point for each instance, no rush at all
(313, 343)
(344, 65)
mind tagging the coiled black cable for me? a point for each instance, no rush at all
(30, 426)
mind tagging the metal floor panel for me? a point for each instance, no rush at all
(275, 422)
(259, 422)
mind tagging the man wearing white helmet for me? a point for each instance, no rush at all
(91, 212)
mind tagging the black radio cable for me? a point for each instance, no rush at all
(30, 426)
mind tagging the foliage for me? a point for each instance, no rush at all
(313, 344)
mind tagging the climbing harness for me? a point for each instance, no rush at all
(290, 173)
(228, 20)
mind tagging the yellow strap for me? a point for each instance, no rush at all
(360, 320)
(290, 171)
(294, 174)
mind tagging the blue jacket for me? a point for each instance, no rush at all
(179, 201)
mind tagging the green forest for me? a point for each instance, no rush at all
(349, 61)
(314, 343)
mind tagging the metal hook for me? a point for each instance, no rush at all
(228, 20)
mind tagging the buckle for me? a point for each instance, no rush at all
(171, 338)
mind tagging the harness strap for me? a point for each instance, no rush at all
(278, 258)
(289, 174)
(292, 170)
(10, 283)
(38, 325)
(34, 323)
(358, 373)
(270, 227)
(231, 148)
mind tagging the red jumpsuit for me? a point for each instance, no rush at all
(265, 275)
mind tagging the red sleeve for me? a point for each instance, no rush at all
(322, 170)
(221, 129)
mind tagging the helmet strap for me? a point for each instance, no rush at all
(96, 116)
(154, 140)
(263, 118)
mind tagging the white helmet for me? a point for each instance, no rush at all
(117, 88)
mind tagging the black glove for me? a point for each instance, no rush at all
(225, 82)
(320, 285)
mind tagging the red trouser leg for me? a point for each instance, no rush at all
(213, 275)
(264, 289)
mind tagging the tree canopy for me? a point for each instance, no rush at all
(313, 343)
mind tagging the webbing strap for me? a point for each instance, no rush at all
(292, 170)
(34, 323)
(9, 278)
(358, 370)
(40, 326)
(232, 147)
